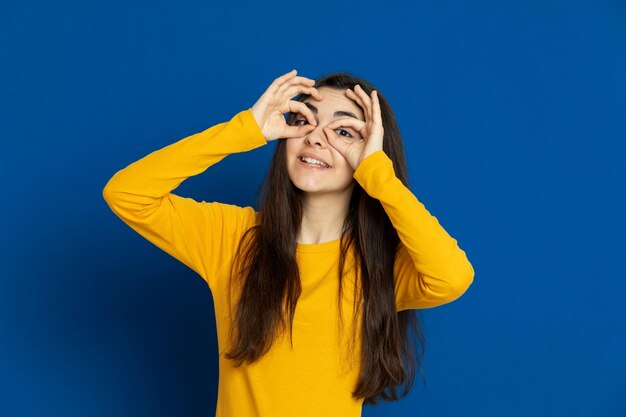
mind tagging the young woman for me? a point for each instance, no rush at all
(340, 242)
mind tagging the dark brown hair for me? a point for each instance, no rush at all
(270, 283)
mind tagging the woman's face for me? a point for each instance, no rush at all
(339, 176)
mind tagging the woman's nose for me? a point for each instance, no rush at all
(317, 136)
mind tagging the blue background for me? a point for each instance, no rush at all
(513, 115)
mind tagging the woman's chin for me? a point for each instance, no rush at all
(309, 188)
(319, 185)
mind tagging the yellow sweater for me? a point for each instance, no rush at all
(317, 377)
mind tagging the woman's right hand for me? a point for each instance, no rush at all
(270, 108)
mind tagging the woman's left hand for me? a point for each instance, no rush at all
(371, 130)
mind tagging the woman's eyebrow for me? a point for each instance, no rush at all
(338, 113)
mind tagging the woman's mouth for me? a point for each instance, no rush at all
(313, 163)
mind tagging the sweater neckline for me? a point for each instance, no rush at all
(329, 246)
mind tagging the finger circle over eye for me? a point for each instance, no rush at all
(300, 107)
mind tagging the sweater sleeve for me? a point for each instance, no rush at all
(429, 269)
(202, 234)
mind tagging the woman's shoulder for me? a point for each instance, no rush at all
(239, 217)
(231, 211)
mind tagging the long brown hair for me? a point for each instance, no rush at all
(270, 282)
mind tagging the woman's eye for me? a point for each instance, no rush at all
(343, 130)
(347, 135)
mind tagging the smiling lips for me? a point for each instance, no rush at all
(313, 160)
(311, 165)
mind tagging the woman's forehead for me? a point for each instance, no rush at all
(334, 101)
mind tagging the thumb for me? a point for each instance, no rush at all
(336, 142)
(297, 131)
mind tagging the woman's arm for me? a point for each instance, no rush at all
(199, 234)
(430, 269)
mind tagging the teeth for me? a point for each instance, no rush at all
(314, 162)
